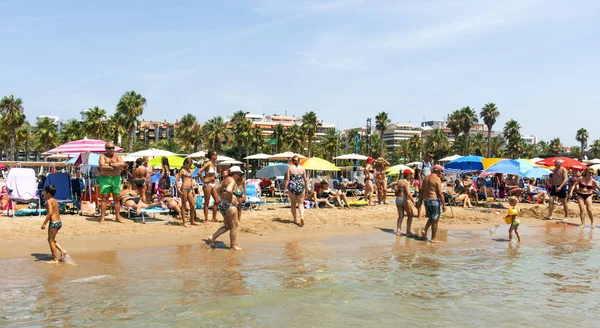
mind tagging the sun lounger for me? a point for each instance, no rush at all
(21, 185)
(64, 194)
(132, 214)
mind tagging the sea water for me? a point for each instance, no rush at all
(472, 279)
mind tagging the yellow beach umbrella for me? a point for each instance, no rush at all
(174, 161)
(394, 170)
(487, 162)
(318, 164)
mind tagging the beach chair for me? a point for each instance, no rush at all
(253, 198)
(145, 213)
(64, 193)
(21, 186)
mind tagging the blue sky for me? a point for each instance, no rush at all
(344, 59)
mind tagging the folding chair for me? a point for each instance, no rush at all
(64, 194)
(253, 198)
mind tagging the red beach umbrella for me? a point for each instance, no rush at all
(568, 163)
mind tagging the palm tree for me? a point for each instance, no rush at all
(381, 122)
(130, 107)
(295, 137)
(279, 135)
(71, 131)
(478, 144)
(595, 148)
(437, 143)
(114, 128)
(512, 135)
(575, 151)
(215, 131)
(416, 146)
(46, 134)
(94, 122)
(555, 147)
(240, 128)
(496, 147)
(169, 144)
(404, 150)
(468, 118)
(582, 136)
(489, 113)
(330, 142)
(185, 131)
(256, 138)
(351, 139)
(12, 118)
(310, 123)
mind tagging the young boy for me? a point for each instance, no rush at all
(53, 217)
(512, 214)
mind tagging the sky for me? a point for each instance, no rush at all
(346, 60)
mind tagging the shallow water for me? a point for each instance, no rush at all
(474, 278)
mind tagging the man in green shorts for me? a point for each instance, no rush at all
(109, 180)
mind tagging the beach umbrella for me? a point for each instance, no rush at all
(272, 170)
(488, 162)
(81, 146)
(200, 154)
(464, 163)
(595, 167)
(592, 161)
(450, 158)
(222, 158)
(397, 168)
(230, 162)
(258, 156)
(568, 163)
(318, 164)
(285, 156)
(152, 152)
(525, 165)
(537, 172)
(507, 166)
(174, 161)
(413, 163)
(352, 156)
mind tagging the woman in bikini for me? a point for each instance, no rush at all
(227, 206)
(210, 171)
(131, 198)
(404, 202)
(295, 187)
(139, 179)
(326, 193)
(584, 190)
(149, 174)
(381, 179)
(369, 175)
(187, 191)
(240, 193)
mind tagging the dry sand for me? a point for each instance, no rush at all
(22, 236)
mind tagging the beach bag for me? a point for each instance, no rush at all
(164, 183)
(88, 208)
(199, 202)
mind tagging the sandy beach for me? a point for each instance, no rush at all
(22, 236)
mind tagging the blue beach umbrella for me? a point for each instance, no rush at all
(465, 163)
(524, 165)
(272, 170)
(507, 166)
(537, 173)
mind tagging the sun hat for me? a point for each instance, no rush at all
(438, 167)
(235, 169)
(380, 160)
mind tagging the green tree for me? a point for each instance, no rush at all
(351, 140)
(478, 144)
(295, 136)
(381, 122)
(512, 135)
(115, 130)
(489, 114)
(216, 133)
(575, 151)
(46, 135)
(310, 123)
(555, 147)
(330, 142)
(582, 136)
(416, 147)
(279, 136)
(13, 117)
(595, 148)
(461, 121)
(187, 129)
(437, 142)
(25, 138)
(94, 124)
(496, 146)
(170, 145)
(130, 107)
(71, 131)
(257, 140)
(403, 151)
(240, 128)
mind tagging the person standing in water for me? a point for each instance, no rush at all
(584, 189)
(404, 202)
(210, 177)
(187, 191)
(432, 196)
(295, 187)
(560, 178)
(227, 206)
(513, 214)
(54, 224)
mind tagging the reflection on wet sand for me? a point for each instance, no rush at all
(52, 301)
(300, 272)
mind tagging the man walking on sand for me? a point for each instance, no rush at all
(431, 195)
(559, 188)
(109, 180)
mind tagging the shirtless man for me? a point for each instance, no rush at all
(139, 179)
(109, 179)
(432, 197)
(559, 189)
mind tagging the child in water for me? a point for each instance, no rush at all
(55, 224)
(512, 218)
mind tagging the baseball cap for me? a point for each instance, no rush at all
(438, 167)
(236, 168)
(370, 160)
(407, 171)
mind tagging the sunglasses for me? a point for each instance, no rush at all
(110, 148)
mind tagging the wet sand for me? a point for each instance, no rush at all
(22, 236)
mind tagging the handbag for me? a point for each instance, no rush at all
(165, 182)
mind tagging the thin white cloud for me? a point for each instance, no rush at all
(278, 7)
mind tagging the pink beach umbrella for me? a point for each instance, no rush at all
(81, 146)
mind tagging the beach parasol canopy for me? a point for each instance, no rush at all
(152, 152)
(592, 161)
(318, 164)
(258, 156)
(396, 169)
(199, 154)
(285, 156)
(81, 146)
(595, 167)
(272, 170)
(352, 156)
(174, 161)
(525, 164)
(568, 163)
(230, 162)
(464, 163)
(488, 162)
(537, 172)
(222, 158)
(414, 163)
(507, 166)
(450, 158)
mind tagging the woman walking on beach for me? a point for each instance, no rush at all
(381, 179)
(139, 179)
(240, 194)
(295, 183)
(227, 207)
(584, 189)
(369, 174)
(187, 191)
(404, 202)
(210, 177)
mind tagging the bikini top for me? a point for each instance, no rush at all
(186, 173)
(211, 170)
(583, 185)
(238, 191)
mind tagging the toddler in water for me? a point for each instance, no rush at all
(55, 224)
(512, 218)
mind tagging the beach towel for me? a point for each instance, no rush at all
(21, 184)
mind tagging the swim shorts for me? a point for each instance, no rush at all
(55, 225)
(562, 193)
(109, 184)
(433, 208)
(516, 222)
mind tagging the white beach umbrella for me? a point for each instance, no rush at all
(413, 164)
(199, 154)
(152, 152)
(285, 156)
(450, 158)
(230, 162)
(352, 156)
(592, 161)
(222, 158)
(129, 158)
(258, 156)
